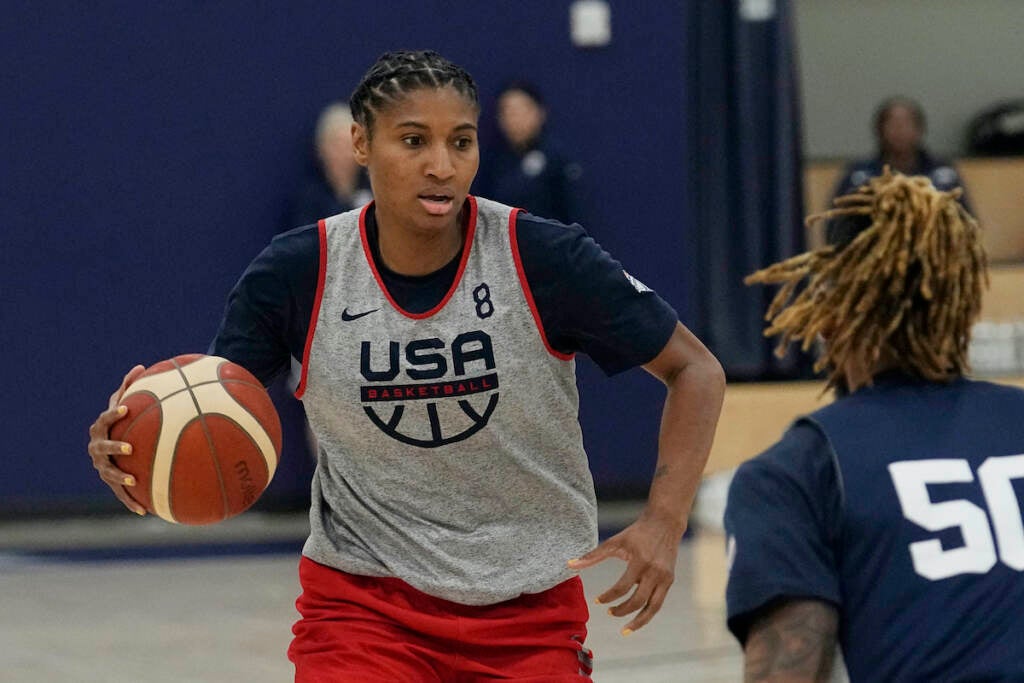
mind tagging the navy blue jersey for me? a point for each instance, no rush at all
(901, 505)
(942, 173)
(584, 299)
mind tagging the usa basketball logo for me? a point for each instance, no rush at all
(451, 396)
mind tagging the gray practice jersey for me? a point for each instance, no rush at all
(449, 450)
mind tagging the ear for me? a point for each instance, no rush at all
(360, 144)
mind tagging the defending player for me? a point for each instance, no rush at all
(889, 521)
(436, 333)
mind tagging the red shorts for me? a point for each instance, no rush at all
(367, 629)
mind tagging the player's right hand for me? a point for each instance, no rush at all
(101, 447)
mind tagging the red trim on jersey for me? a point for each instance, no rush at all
(320, 279)
(512, 228)
(466, 246)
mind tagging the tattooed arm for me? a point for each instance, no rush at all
(794, 641)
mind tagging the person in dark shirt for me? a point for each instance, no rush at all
(338, 183)
(899, 127)
(888, 522)
(527, 168)
(434, 334)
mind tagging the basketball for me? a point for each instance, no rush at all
(205, 439)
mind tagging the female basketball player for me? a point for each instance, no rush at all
(889, 521)
(452, 503)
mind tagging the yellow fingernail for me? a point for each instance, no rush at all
(573, 561)
(610, 612)
(597, 601)
(627, 631)
(126, 448)
(121, 410)
(140, 513)
(129, 481)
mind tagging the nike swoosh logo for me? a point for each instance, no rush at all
(346, 316)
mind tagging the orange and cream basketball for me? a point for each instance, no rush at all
(205, 439)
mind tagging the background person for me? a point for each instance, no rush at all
(527, 169)
(899, 127)
(338, 183)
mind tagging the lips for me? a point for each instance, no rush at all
(436, 203)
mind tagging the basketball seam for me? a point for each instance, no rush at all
(209, 442)
(160, 401)
(252, 441)
(137, 417)
(257, 420)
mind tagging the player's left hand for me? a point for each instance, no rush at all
(101, 448)
(649, 547)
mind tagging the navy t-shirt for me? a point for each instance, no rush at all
(541, 179)
(900, 504)
(586, 301)
(942, 173)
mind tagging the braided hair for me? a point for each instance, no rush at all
(903, 290)
(395, 74)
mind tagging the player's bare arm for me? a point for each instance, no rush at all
(696, 385)
(793, 642)
(101, 447)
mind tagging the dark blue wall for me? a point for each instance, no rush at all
(149, 149)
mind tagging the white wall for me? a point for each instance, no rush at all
(955, 57)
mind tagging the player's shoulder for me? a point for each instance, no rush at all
(859, 171)
(547, 235)
(550, 248)
(892, 390)
(548, 227)
(297, 238)
(530, 227)
(941, 171)
(945, 177)
(294, 246)
(993, 390)
(798, 475)
(291, 260)
(803, 451)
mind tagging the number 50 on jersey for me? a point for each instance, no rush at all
(978, 554)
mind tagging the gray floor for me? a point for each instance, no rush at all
(227, 618)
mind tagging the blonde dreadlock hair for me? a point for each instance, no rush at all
(908, 286)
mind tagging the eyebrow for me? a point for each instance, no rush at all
(421, 126)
